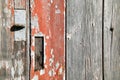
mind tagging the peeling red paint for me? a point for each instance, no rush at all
(51, 25)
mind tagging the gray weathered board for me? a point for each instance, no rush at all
(112, 40)
(93, 40)
(13, 50)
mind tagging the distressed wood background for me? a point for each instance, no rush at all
(92, 29)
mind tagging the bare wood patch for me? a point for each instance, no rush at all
(20, 4)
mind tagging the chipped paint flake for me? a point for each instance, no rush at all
(52, 72)
(47, 37)
(51, 60)
(12, 72)
(51, 1)
(56, 6)
(42, 72)
(57, 11)
(51, 51)
(57, 65)
(60, 70)
(34, 22)
(69, 36)
(35, 77)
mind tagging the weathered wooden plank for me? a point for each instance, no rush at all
(47, 20)
(112, 40)
(20, 4)
(13, 57)
(84, 39)
(6, 39)
(20, 59)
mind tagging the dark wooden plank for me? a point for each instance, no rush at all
(39, 53)
(84, 39)
(112, 40)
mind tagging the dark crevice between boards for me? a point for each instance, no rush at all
(103, 39)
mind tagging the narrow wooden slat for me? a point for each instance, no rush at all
(20, 4)
(20, 59)
(0, 22)
(112, 40)
(84, 39)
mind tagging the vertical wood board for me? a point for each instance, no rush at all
(112, 40)
(47, 20)
(6, 39)
(84, 39)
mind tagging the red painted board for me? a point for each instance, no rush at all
(48, 20)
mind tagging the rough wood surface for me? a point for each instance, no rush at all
(47, 20)
(6, 39)
(84, 39)
(20, 4)
(112, 40)
(13, 57)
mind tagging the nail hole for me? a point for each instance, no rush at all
(111, 29)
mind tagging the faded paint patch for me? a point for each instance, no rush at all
(57, 11)
(34, 22)
(12, 72)
(20, 18)
(60, 70)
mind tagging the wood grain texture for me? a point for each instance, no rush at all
(112, 39)
(6, 39)
(13, 56)
(84, 39)
(20, 4)
(47, 20)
